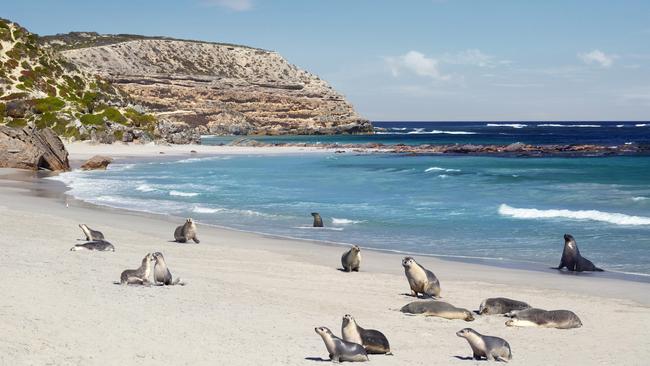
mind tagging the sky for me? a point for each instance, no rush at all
(430, 60)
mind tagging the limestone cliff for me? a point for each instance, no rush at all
(213, 88)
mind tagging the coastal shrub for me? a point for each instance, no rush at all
(118, 135)
(92, 119)
(13, 96)
(47, 119)
(140, 120)
(17, 123)
(113, 115)
(48, 104)
(3, 109)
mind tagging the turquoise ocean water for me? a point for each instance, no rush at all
(499, 208)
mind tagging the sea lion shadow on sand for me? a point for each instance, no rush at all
(317, 359)
(464, 358)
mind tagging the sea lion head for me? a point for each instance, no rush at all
(323, 331)
(158, 256)
(463, 333)
(356, 249)
(569, 241)
(189, 220)
(347, 319)
(407, 262)
(482, 309)
(315, 214)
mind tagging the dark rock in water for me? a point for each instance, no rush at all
(33, 149)
(97, 162)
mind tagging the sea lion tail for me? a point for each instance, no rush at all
(389, 353)
(596, 269)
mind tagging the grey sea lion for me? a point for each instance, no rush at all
(571, 258)
(90, 233)
(351, 260)
(374, 341)
(161, 273)
(340, 350)
(186, 232)
(560, 319)
(500, 305)
(420, 279)
(437, 308)
(99, 245)
(492, 348)
(138, 276)
(318, 221)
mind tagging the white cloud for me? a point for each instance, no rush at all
(417, 63)
(236, 5)
(473, 57)
(597, 57)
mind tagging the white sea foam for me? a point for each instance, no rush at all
(641, 124)
(563, 125)
(513, 125)
(612, 218)
(183, 194)
(439, 169)
(206, 210)
(421, 131)
(336, 221)
(639, 198)
(619, 126)
(145, 188)
(319, 228)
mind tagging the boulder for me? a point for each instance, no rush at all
(30, 148)
(97, 162)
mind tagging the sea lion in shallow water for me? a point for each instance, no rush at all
(372, 340)
(138, 276)
(500, 305)
(571, 258)
(437, 308)
(90, 233)
(161, 274)
(492, 348)
(351, 260)
(186, 232)
(318, 221)
(560, 319)
(420, 279)
(99, 245)
(340, 350)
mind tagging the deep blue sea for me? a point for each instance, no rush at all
(496, 208)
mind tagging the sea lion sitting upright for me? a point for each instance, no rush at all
(99, 245)
(560, 319)
(500, 305)
(437, 308)
(492, 348)
(351, 260)
(186, 232)
(318, 221)
(571, 258)
(90, 233)
(138, 276)
(373, 341)
(340, 350)
(161, 274)
(420, 279)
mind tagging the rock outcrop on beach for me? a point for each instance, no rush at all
(97, 162)
(31, 148)
(212, 88)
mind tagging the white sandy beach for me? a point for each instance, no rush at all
(255, 300)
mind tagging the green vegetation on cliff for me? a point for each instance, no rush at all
(41, 88)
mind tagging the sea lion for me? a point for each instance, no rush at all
(351, 259)
(373, 341)
(420, 279)
(90, 233)
(571, 258)
(492, 348)
(161, 274)
(318, 221)
(99, 245)
(437, 308)
(186, 232)
(138, 276)
(340, 350)
(560, 319)
(500, 305)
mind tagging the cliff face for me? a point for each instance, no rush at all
(214, 88)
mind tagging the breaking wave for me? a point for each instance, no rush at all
(594, 215)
